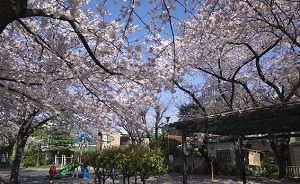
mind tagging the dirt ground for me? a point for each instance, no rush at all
(41, 176)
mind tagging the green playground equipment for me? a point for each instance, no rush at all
(64, 170)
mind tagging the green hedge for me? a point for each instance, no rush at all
(129, 162)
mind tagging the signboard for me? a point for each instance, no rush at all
(104, 138)
(254, 158)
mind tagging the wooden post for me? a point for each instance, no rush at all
(62, 161)
(65, 161)
(184, 157)
(212, 170)
(243, 172)
(38, 156)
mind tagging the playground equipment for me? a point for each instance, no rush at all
(82, 137)
(63, 160)
(73, 165)
(66, 169)
(81, 159)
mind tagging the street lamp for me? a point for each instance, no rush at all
(100, 143)
(167, 131)
(168, 119)
(167, 124)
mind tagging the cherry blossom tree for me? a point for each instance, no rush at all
(247, 51)
(160, 108)
(29, 102)
(236, 46)
(63, 62)
(142, 118)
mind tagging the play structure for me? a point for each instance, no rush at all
(63, 171)
(63, 160)
(82, 141)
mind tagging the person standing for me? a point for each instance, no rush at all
(52, 172)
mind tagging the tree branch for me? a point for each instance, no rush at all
(73, 23)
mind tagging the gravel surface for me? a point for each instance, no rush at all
(41, 176)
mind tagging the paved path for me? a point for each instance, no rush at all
(41, 176)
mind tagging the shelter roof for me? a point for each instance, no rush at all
(278, 118)
(175, 137)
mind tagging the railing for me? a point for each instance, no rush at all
(293, 171)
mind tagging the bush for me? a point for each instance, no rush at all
(103, 162)
(150, 163)
(271, 170)
(138, 161)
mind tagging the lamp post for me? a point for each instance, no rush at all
(100, 143)
(168, 147)
(168, 119)
(167, 124)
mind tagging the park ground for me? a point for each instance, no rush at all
(41, 176)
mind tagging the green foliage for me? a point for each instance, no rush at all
(58, 143)
(31, 154)
(150, 163)
(54, 138)
(162, 143)
(129, 161)
(125, 162)
(271, 170)
(104, 162)
(30, 157)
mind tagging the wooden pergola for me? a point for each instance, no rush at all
(280, 120)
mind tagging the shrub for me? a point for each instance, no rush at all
(103, 162)
(271, 170)
(150, 163)
(131, 161)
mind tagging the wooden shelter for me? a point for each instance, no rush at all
(280, 120)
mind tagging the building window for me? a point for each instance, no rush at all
(223, 155)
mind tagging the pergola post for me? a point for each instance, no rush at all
(184, 157)
(243, 172)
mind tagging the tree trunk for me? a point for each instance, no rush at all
(128, 180)
(156, 136)
(204, 153)
(238, 160)
(11, 10)
(124, 179)
(21, 142)
(282, 163)
(38, 156)
(193, 159)
(280, 148)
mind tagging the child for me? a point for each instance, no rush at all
(52, 171)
